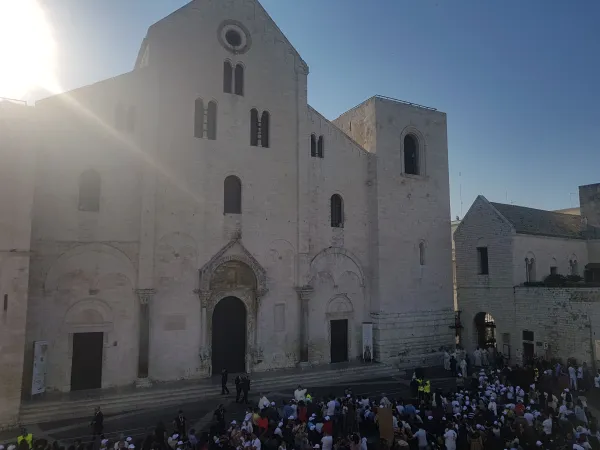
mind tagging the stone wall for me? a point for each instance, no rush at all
(568, 320)
(16, 199)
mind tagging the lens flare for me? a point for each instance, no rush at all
(27, 49)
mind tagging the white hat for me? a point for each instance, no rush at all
(316, 446)
(348, 395)
(291, 418)
(175, 436)
(129, 439)
(566, 389)
(180, 443)
(272, 403)
(430, 418)
(327, 418)
(280, 424)
(538, 443)
(233, 422)
(103, 441)
(131, 446)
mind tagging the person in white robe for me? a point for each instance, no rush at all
(446, 360)
(477, 357)
(463, 367)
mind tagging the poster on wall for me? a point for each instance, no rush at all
(40, 352)
(367, 348)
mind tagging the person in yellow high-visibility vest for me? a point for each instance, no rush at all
(421, 388)
(427, 390)
(27, 437)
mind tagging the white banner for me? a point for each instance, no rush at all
(38, 382)
(367, 338)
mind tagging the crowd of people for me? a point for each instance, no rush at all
(494, 407)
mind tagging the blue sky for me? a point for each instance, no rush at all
(519, 79)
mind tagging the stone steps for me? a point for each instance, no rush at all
(158, 397)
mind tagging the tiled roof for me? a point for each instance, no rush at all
(540, 222)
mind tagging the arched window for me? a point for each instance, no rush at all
(239, 79)
(211, 121)
(89, 191)
(264, 129)
(573, 266)
(227, 77)
(254, 127)
(199, 118)
(422, 253)
(320, 147)
(337, 211)
(411, 155)
(232, 201)
(530, 268)
(313, 146)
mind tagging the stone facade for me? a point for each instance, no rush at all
(148, 265)
(562, 318)
(16, 200)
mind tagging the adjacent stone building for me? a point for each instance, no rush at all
(196, 213)
(503, 255)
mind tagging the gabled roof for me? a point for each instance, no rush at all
(540, 222)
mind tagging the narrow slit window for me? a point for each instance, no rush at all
(239, 79)
(211, 121)
(227, 77)
(232, 202)
(199, 118)
(264, 129)
(337, 211)
(254, 128)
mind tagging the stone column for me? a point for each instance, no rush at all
(145, 297)
(304, 295)
(204, 296)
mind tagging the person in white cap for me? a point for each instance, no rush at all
(263, 402)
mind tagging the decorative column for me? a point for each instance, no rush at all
(145, 297)
(304, 295)
(204, 296)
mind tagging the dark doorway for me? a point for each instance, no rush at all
(86, 368)
(229, 336)
(528, 352)
(339, 340)
(486, 330)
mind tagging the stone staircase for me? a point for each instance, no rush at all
(168, 394)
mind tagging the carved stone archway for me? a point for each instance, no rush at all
(232, 272)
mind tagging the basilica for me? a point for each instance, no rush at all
(196, 214)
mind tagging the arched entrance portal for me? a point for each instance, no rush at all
(229, 336)
(486, 330)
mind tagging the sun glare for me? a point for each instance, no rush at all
(27, 49)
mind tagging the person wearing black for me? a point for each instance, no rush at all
(245, 388)
(159, 434)
(97, 423)
(179, 423)
(224, 376)
(238, 388)
(219, 418)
